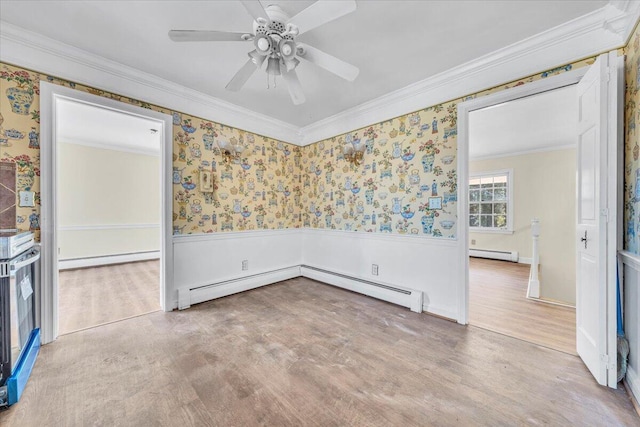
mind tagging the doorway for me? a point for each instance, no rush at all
(53, 98)
(600, 94)
(108, 202)
(522, 169)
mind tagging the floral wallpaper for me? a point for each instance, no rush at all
(407, 183)
(257, 191)
(20, 138)
(632, 150)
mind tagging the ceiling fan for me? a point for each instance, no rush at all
(274, 39)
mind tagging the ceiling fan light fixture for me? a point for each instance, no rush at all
(274, 37)
(263, 44)
(273, 66)
(287, 49)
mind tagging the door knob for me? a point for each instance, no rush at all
(584, 239)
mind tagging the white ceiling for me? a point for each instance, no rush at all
(394, 43)
(85, 124)
(541, 122)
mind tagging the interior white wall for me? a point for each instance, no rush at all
(108, 202)
(209, 259)
(424, 264)
(631, 270)
(544, 187)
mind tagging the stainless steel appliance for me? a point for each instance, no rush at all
(19, 312)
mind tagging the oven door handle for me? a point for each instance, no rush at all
(25, 260)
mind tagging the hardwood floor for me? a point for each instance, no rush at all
(497, 301)
(303, 353)
(92, 296)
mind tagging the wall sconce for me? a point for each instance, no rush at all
(230, 151)
(354, 152)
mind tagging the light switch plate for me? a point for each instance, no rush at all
(27, 198)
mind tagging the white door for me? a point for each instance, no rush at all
(592, 326)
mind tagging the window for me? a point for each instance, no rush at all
(490, 201)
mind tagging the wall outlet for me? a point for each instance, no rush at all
(245, 264)
(374, 269)
(473, 241)
(27, 199)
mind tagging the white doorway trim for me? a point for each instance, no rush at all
(464, 108)
(50, 94)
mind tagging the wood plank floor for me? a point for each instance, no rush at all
(497, 301)
(301, 353)
(96, 295)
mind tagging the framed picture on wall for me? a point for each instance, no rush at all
(206, 181)
(435, 202)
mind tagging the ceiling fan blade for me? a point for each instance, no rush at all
(255, 9)
(329, 62)
(294, 86)
(321, 12)
(206, 36)
(242, 76)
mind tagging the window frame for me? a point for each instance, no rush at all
(492, 173)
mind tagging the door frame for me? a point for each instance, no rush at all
(614, 200)
(464, 108)
(49, 95)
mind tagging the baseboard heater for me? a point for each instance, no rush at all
(405, 297)
(96, 261)
(197, 294)
(489, 254)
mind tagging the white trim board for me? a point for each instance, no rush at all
(50, 94)
(464, 108)
(45, 55)
(602, 30)
(105, 146)
(524, 152)
(106, 227)
(67, 264)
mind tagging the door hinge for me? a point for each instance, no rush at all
(605, 359)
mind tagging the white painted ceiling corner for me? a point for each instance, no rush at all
(600, 30)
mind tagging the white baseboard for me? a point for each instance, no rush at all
(511, 256)
(188, 297)
(633, 381)
(524, 260)
(439, 311)
(68, 264)
(405, 297)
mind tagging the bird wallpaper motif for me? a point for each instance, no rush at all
(407, 182)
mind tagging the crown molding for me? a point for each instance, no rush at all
(602, 30)
(93, 143)
(599, 31)
(523, 152)
(45, 55)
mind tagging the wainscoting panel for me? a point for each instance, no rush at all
(631, 265)
(205, 260)
(420, 263)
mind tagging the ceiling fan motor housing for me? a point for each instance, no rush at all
(274, 37)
